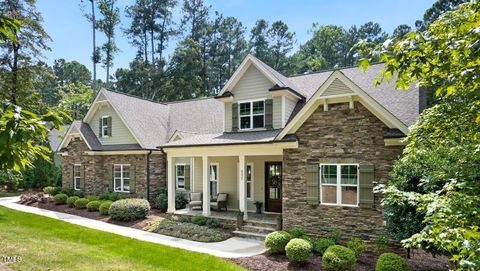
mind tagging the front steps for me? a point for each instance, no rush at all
(255, 230)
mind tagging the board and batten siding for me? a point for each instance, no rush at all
(120, 132)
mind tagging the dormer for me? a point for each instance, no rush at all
(257, 98)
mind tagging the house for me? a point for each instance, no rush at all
(310, 147)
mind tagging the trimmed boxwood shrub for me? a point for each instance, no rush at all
(321, 245)
(112, 196)
(358, 246)
(104, 207)
(391, 262)
(338, 258)
(81, 203)
(277, 240)
(60, 198)
(199, 220)
(93, 206)
(129, 209)
(71, 201)
(92, 198)
(298, 250)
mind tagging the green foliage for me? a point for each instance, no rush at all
(338, 258)
(187, 231)
(129, 209)
(71, 201)
(41, 173)
(112, 196)
(60, 199)
(335, 235)
(92, 198)
(199, 220)
(52, 190)
(181, 200)
(79, 193)
(276, 241)
(391, 262)
(11, 179)
(212, 223)
(358, 246)
(104, 207)
(297, 232)
(81, 203)
(298, 250)
(76, 99)
(8, 28)
(381, 244)
(68, 191)
(160, 199)
(321, 245)
(93, 206)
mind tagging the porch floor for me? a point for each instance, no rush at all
(232, 215)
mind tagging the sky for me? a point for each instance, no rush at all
(71, 33)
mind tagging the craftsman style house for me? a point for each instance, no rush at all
(310, 147)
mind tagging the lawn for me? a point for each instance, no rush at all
(45, 243)
(8, 194)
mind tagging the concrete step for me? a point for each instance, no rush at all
(250, 235)
(258, 229)
(256, 223)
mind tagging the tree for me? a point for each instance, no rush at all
(437, 9)
(282, 42)
(95, 50)
(107, 24)
(400, 31)
(71, 72)
(445, 141)
(76, 99)
(259, 40)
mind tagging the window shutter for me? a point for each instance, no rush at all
(367, 177)
(82, 177)
(109, 179)
(109, 129)
(187, 177)
(234, 117)
(132, 178)
(312, 184)
(72, 177)
(100, 127)
(269, 114)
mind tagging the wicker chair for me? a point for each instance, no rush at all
(221, 202)
(195, 200)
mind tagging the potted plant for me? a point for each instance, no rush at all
(279, 223)
(258, 205)
(239, 219)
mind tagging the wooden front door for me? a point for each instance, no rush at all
(273, 187)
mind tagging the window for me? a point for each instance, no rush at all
(252, 115)
(77, 176)
(121, 179)
(104, 127)
(339, 184)
(180, 176)
(249, 176)
(213, 180)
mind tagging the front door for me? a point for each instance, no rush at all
(273, 187)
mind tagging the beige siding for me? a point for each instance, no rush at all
(120, 132)
(277, 112)
(336, 88)
(198, 171)
(289, 106)
(227, 178)
(253, 85)
(228, 117)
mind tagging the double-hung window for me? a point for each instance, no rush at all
(249, 178)
(104, 128)
(77, 176)
(339, 184)
(213, 180)
(121, 180)
(252, 115)
(180, 170)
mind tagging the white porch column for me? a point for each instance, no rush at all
(206, 187)
(243, 186)
(170, 186)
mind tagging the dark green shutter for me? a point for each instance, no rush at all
(109, 125)
(269, 114)
(187, 177)
(82, 178)
(312, 176)
(234, 117)
(72, 177)
(133, 170)
(367, 178)
(100, 127)
(109, 179)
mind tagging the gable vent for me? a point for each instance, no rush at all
(336, 88)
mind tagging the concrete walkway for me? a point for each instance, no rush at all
(234, 247)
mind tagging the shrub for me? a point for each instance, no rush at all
(104, 207)
(67, 191)
(92, 198)
(338, 258)
(391, 262)
(186, 231)
(298, 250)
(199, 220)
(60, 198)
(297, 232)
(160, 202)
(52, 190)
(277, 240)
(212, 223)
(104, 196)
(181, 200)
(357, 246)
(112, 196)
(71, 201)
(79, 193)
(129, 209)
(81, 203)
(381, 244)
(227, 226)
(93, 206)
(321, 245)
(184, 219)
(335, 235)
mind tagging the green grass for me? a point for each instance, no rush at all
(48, 244)
(8, 194)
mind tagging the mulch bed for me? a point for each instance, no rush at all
(420, 261)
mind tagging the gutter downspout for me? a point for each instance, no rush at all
(148, 175)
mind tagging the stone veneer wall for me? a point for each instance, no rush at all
(96, 169)
(339, 132)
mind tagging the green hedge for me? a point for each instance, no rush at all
(391, 262)
(71, 201)
(277, 240)
(60, 198)
(129, 209)
(338, 258)
(104, 207)
(81, 203)
(298, 250)
(321, 245)
(93, 206)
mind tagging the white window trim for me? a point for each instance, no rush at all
(176, 175)
(122, 188)
(103, 126)
(218, 176)
(339, 185)
(251, 182)
(251, 115)
(75, 177)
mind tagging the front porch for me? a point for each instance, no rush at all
(270, 219)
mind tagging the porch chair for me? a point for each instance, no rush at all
(195, 200)
(221, 202)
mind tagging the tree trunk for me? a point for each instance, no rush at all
(152, 44)
(14, 88)
(94, 58)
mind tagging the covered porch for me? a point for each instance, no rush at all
(248, 173)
